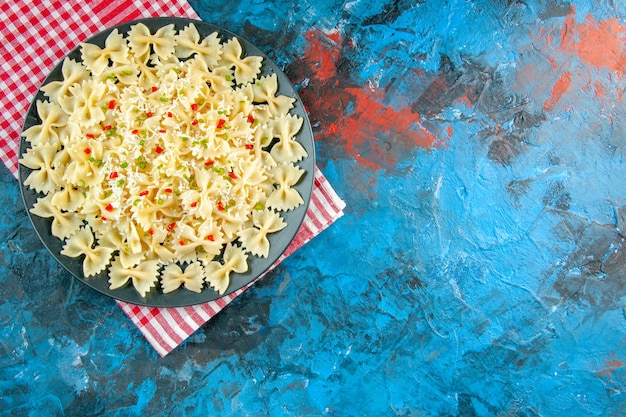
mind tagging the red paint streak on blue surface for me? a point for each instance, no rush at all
(375, 134)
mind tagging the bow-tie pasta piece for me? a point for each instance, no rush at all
(265, 89)
(73, 73)
(141, 41)
(143, 276)
(285, 198)
(68, 199)
(246, 69)
(218, 274)
(40, 159)
(97, 59)
(96, 258)
(173, 277)
(53, 122)
(285, 127)
(208, 49)
(85, 103)
(254, 239)
(64, 224)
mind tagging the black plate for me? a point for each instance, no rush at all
(257, 266)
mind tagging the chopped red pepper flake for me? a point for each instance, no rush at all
(250, 118)
(249, 146)
(171, 226)
(109, 207)
(135, 131)
(87, 151)
(169, 114)
(168, 190)
(107, 127)
(232, 175)
(158, 149)
(220, 206)
(154, 88)
(194, 107)
(90, 135)
(182, 242)
(194, 204)
(194, 122)
(209, 163)
(150, 232)
(162, 130)
(149, 114)
(221, 123)
(104, 219)
(211, 238)
(113, 175)
(143, 193)
(111, 104)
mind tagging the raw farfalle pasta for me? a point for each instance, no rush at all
(81, 243)
(287, 149)
(164, 158)
(97, 59)
(285, 197)
(192, 278)
(254, 239)
(218, 273)
(73, 73)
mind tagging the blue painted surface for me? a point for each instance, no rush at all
(479, 269)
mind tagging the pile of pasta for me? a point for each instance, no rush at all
(165, 157)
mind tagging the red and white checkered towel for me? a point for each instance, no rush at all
(36, 36)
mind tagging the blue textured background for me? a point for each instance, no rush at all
(479, 269)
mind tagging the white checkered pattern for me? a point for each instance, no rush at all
(36, 35)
